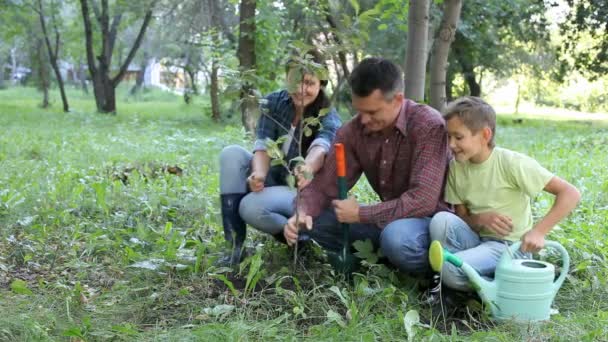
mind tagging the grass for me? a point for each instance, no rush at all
(103, 260)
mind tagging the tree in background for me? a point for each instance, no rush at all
(104, 86)
(416, 53)
(247, 61)
(441, 49)
(52, 48)
(586, 21)
(492, 37)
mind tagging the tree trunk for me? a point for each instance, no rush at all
(246, 54)
(14, 65)
(53, 54)
(441, 50)
(341, 55)
(468, 73)
(43, 73)
(214, 93)
(104, 86)
(416, 54)
(1, 73)
(139, 80)
(82, 77)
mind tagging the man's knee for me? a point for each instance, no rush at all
(406, 248)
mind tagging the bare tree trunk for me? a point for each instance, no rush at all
(82, 77)
(214, 92)
(441, 50)
(53, 54)
(104, 87)
(43, 73)
(1, 73)
(341, 55)
(139, 80)
(246, 54)
(14, 64)
(416, 54)
(468, 73)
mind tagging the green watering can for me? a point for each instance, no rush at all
(522, 290)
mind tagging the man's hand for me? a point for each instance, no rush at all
(291, 229)
(347, 211)
(497, 223)
(303, 173)
(533, 241)
(256, 181)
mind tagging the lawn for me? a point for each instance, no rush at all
(99, 242)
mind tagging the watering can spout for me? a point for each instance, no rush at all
(437, 256)
(485, 288)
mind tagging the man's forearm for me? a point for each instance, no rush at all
(315, 158)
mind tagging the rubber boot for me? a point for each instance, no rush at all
(235, 229)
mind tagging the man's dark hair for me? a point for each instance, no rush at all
(376, 73)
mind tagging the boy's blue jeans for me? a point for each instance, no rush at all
(267, 210)
(480, 253)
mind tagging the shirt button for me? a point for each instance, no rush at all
(382, 182)
(384, 162)
(386, 141)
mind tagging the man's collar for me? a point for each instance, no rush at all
(401, 123)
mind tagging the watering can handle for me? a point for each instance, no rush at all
(565, 259)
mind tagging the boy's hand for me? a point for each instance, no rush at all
(290, 231)
(256, 181)
(533, 241)
(347, 211)
(495, 222)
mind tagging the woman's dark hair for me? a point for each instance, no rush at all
(320, 102)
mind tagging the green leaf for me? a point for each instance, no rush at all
(277, 162)
(297, 160)
(291, 181)
(19, 286)
(355, 5)
(365, 250)
(410, 319)
(340, 295)
(307, 131)
(333, 316)
(382, 27)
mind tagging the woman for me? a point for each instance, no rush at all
(254, 192)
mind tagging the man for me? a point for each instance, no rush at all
(402, 149)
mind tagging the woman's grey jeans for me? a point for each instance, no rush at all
(267, 210)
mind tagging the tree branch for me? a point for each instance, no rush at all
(140, 36)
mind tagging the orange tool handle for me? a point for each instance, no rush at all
(340, 160)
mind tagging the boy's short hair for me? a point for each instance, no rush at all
(475, 114)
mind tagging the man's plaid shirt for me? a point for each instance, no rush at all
(406, 168)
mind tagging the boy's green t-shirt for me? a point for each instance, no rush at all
(505, 183)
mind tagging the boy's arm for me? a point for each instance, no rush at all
(499, 224)
(566, 199)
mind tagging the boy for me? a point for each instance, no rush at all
(491, 189)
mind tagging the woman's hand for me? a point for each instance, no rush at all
(256, 181)
(304, 175)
